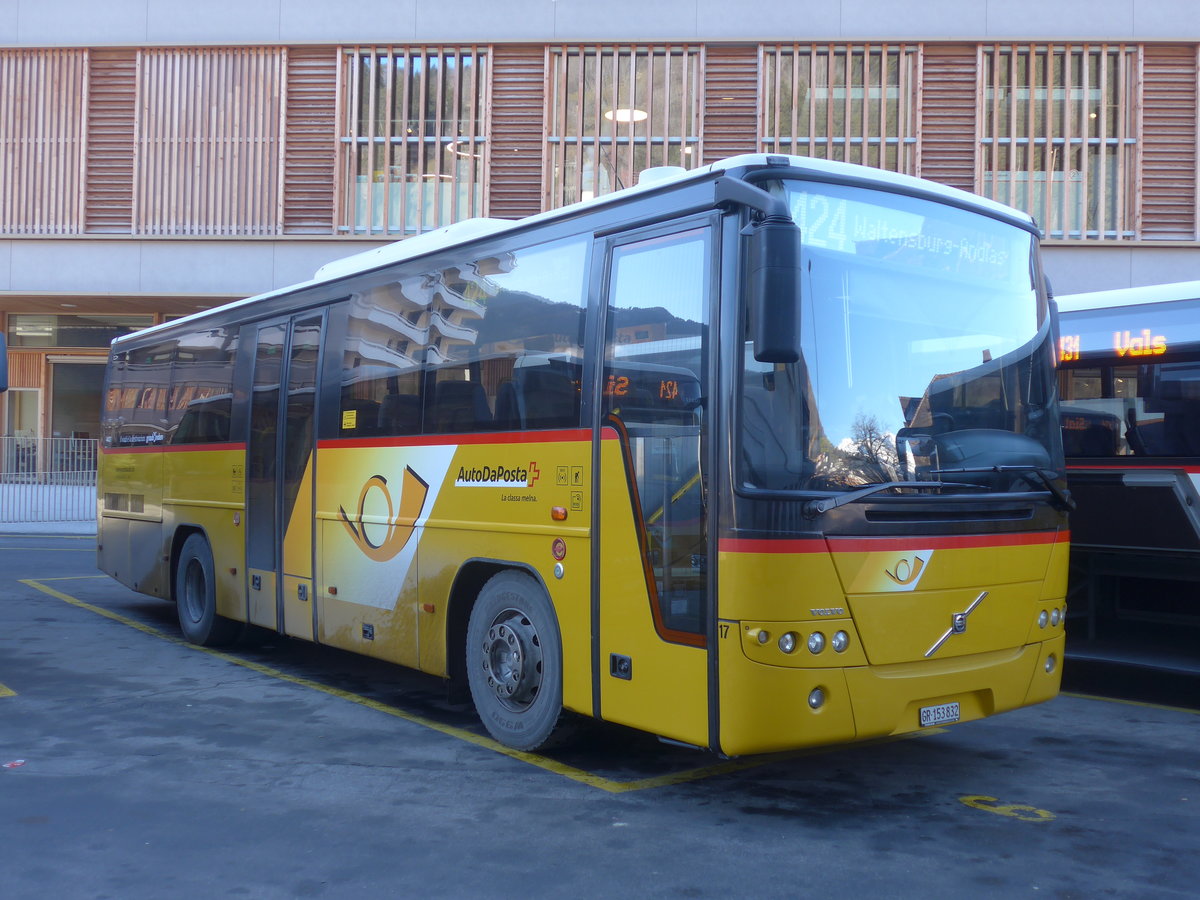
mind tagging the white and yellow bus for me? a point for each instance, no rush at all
(752, 457)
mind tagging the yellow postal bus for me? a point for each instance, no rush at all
(752, 457)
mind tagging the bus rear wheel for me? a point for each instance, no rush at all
(514, 661)
(196, 596)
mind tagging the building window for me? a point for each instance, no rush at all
(1059, 138)
(615, 111)
(413, 138)
(853, 104)
(32, 330)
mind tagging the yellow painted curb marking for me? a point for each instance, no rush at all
(588, 778)
(1013, 810)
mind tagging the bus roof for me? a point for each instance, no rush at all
(473, 229)
(1154, 293)
(665, 176)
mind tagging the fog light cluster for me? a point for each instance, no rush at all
(816, 642)
(1053, 617)
(1051, 664)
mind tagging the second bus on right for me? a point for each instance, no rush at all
(1129, 381)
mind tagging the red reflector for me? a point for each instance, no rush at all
(428, 607)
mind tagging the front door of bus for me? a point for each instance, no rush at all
(279, 474)
(652, 532)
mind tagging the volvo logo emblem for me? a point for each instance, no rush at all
(958, 624)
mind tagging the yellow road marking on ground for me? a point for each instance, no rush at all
(1182, 709)
(51, 549)
(4, 536)
(7, 691)
(579, 775)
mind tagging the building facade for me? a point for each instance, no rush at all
(159, 156)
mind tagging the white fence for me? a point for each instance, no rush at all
(47, 479)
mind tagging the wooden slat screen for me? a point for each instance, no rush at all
(208, 139)
(730, 121)
(614, 111)
(111, 114)
(25, 368)
(1169, 143)
(1058, 134)
(413, 137)
(310, 138)
(43, 94)
(851, 103)
(948, 110)
(518, 131)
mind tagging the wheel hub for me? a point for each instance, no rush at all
(512, 659)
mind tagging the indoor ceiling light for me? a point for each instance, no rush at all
(626, 115)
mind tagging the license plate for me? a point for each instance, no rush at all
(942, 714)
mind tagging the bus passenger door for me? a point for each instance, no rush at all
(279, 475)
(651, 527)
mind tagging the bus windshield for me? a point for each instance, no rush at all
(926, 351)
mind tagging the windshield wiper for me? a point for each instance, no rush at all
(814, 508)
(1062, 499)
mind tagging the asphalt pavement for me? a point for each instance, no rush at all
(133, 765)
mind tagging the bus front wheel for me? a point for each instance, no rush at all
(514, 661)
(196, 596)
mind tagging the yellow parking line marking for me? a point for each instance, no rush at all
(7, 691)
(68, 578)
(52, 549)
(1179, 709)
(578, 775)
(6, 536)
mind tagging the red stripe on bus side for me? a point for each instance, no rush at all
(889, 544)
(1145, 467)
(949, 542)
(436, 440)
(177, 448)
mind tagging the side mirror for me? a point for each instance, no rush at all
(773, 283)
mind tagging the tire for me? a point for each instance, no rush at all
(196, 597)
(514, 661)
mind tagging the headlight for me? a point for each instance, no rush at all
(840, 641)
(816, 642)
(1043, 618)
(787, 642)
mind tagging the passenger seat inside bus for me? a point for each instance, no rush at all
(458, 406)
(400, 414)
